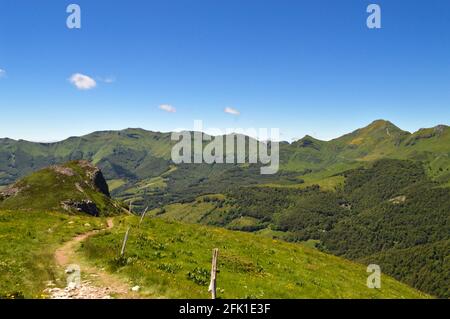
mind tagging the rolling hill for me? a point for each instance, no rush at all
(76, 186)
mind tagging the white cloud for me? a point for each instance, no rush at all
(2, 73)
(167, 108)
(231, 111)
(82, 82)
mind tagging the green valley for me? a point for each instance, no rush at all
(386, 208)
(378, 195)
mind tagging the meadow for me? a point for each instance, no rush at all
(169, 259)
(28, 240)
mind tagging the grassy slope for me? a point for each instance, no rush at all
(27, 243)
(170, 259)
(191, 212)
(47, 188)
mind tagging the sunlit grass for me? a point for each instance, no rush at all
(171, 259)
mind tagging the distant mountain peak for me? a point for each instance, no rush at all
(308, 137)
(309, 141)
(377, 124)
(375, 132)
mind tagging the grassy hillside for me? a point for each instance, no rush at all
(389, 207)
(171, 259)
(74, 186)
(27, 243)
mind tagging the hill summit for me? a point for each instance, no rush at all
(77, 186)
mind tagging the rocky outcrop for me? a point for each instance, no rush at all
(63, 170)
(100, 183)
(12, 191)
(95, 177)
(85, 206)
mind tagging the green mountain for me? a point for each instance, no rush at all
(137, 164)
(132, 153)
(378, 191)
(76, 186)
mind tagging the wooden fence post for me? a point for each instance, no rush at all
(212, 285)
(131, 206)
(124, 244)
(143, 215)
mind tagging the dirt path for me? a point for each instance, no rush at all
(96, 283)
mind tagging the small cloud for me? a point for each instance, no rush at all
(2, 73)
(167, 108)
(82, 82)
(231, 111)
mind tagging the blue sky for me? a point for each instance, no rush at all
(306, 67)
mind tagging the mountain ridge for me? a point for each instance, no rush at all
(133, 155)
(375, 122)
